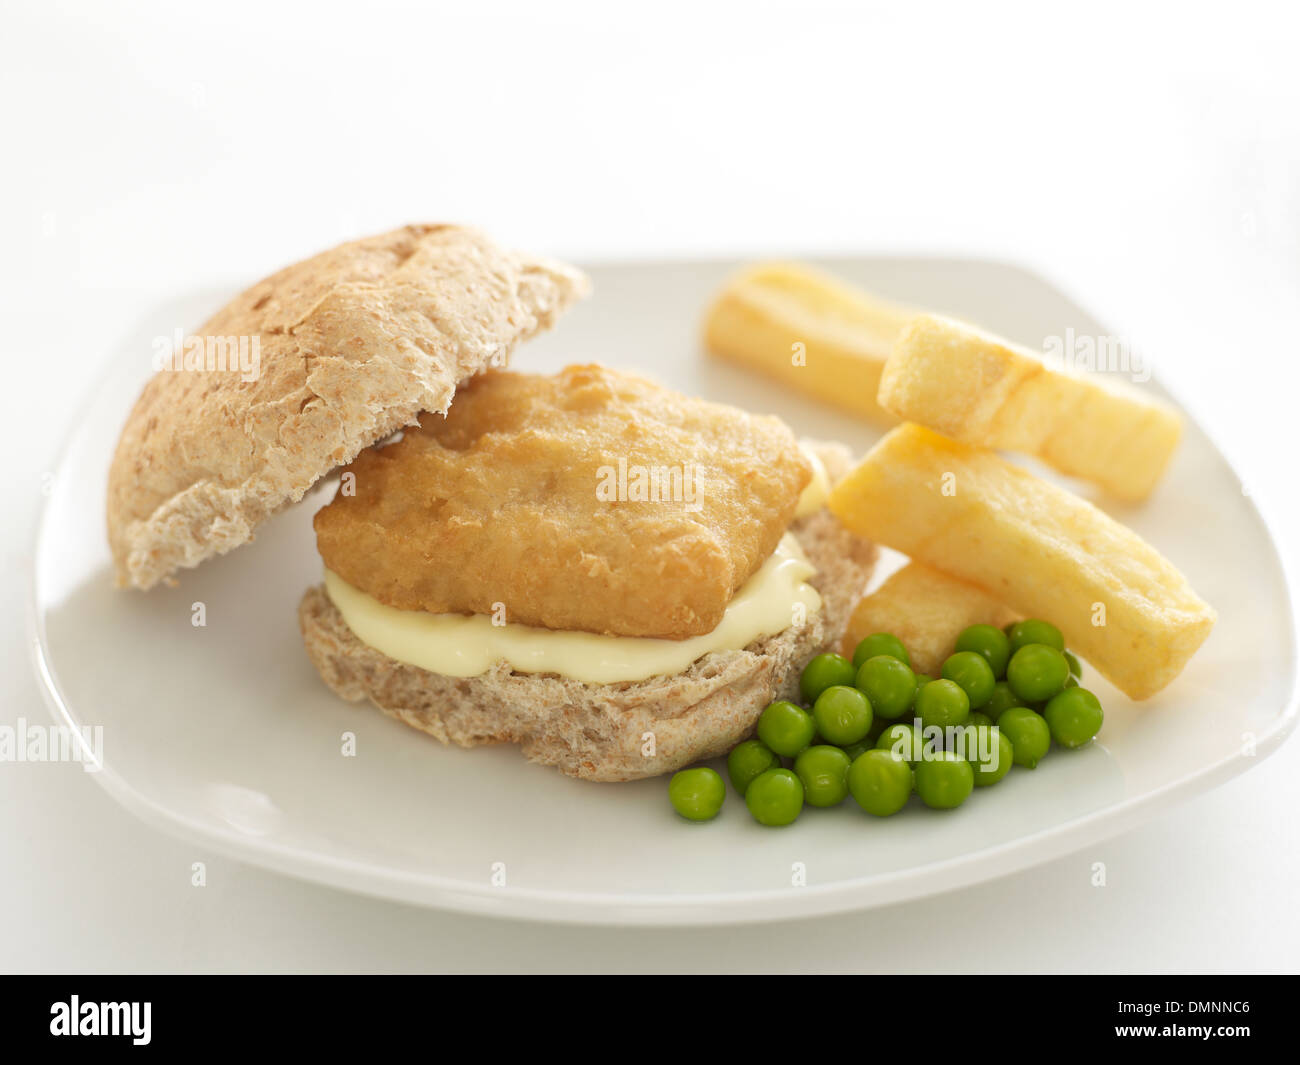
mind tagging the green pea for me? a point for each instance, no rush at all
(1074, 717)
(1031, 630)
(942, 703)
(1037, 672)
(907, 741)
(944, 781)
(823, 771)
(1076, 670)
(868, 744)
(989, 641)
(775, 797)
(1029, 735)
(843, 715)
(880, 643)
(747, 760)
(1003, 698)
(697, 794)
(823, 672)
(990, 754)
(977, 719)
(922, 679)
(880, 782)
(785, 728)
(971, 672)
(888, 683)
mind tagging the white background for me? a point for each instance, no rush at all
(1146, 159)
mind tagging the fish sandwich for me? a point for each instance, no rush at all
(615, 577)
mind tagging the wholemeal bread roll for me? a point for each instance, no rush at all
(354, 343)
(598, 731)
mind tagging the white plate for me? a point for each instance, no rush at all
(225, 735)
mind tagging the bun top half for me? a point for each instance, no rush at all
(352, 344)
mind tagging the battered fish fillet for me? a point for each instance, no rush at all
(591, 501)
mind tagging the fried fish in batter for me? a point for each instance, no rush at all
(592, 500)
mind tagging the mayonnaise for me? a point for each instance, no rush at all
(458, 645)
(814, 497)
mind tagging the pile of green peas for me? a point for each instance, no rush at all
(866, 727)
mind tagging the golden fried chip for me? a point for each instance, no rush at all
(925, 609)
(809, 331)
(1044, 552)
(979, 389)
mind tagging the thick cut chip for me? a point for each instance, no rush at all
(593, 501)
(1032, 545)
(981, 390)
(925, 609)
(809, 331)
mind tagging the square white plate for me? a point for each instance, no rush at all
(224, 733)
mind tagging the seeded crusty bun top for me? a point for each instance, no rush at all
(354, 343)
